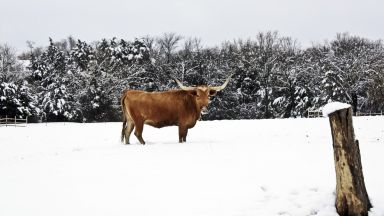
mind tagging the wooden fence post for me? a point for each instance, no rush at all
(351, 195)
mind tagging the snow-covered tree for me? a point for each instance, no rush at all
(272, 76)
(16, 99)
(96, 103)
(51, 77)
(289, 91)
(81, 55)
(347, 67)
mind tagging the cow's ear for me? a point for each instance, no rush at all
(212, 92)
(193, 92)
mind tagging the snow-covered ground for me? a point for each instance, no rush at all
(248, 167)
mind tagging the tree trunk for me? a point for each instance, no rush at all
(354, 102)
(290, 107)
(266, 101)
(351, 194)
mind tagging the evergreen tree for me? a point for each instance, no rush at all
(17, 100)
(96, 104)
(81, 55)
(51, 78)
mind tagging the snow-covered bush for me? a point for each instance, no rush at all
(17, 100)
(97, 103)
(58, 104)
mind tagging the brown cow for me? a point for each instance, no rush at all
(159, 109)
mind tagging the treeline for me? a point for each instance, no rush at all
(72, 80)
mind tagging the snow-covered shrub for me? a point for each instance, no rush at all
(17, 100)
(97, 104)
(58, 104)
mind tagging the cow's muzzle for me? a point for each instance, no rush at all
(204, 110)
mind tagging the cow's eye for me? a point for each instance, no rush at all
(212, 92)
(194, 93)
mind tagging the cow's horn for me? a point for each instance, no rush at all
(185, 88)
(219, 88)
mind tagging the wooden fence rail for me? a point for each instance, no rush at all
(16, 122)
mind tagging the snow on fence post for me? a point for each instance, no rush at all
(351, 195)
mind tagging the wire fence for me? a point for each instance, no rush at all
(16, 122)
(319, 113)
(369, 113)
(23, 122)
(315, 113)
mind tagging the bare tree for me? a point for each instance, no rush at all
(150, 42)
(71, 42)
(10, 67)
(192, 44)
(168, 44)
(32, 52)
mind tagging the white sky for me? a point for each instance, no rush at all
(214, 21)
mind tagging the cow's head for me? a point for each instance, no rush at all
(202, 93)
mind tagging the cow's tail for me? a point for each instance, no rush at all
(123, 108)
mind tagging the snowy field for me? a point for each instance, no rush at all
(226, 168)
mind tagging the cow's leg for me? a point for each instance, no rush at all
(123, 130)
(185, 135)
(128, 131)
(139, 130)
(182, 133)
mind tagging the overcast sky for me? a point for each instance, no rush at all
(214, 21)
